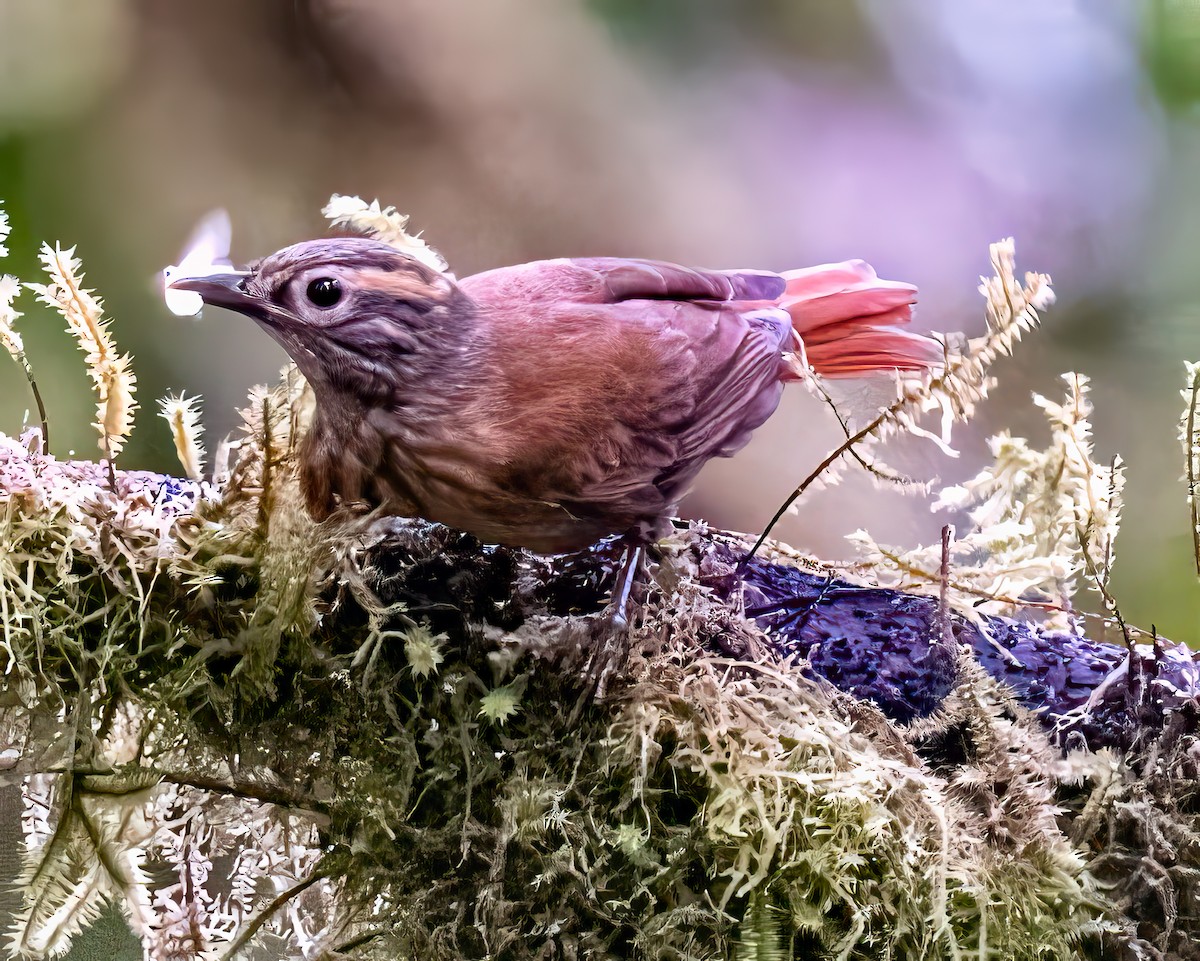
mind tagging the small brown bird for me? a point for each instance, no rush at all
(549, 404)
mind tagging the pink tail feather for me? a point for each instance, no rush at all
(849, 320)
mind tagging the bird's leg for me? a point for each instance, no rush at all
(610, 653)
(633, 562)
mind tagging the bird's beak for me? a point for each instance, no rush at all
(221, 290)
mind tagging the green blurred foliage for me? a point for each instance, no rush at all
(1171, 47)
(41, 211)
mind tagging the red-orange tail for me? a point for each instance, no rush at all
(850, 321)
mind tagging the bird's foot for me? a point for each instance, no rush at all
(633, 564)
(612, 650)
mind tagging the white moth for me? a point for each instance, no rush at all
(206, 253)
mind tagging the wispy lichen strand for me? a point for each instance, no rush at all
(1039, 519)
(10, 288)
(384, 224)
(103, 814)
(83, 849)
(110, 371)
(182, 414)
(950, 393)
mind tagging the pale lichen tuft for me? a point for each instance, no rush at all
(424, 650)
(949, 393)
(383, 224)
(182, 414)
(1040, 518)
(502, 703)
(110, 371)
(1189, 438)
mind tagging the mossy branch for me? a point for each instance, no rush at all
(848, 767)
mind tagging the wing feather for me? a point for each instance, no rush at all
(657, 368)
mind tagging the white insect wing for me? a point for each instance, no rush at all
(206, 253)
(859, 400)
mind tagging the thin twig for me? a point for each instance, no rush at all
(985, 596)
(112, 471)
(265, 501)
(1191, 472)
(37, 397)
(944, 624)
(358, 941)
(268, 911)
(1004, 328)
(249, 790)
(820, 469)
(870, 467)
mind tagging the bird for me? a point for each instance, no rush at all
(551, 404)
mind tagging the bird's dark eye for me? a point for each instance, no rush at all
(324, 292)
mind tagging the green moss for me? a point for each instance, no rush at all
(277, 677)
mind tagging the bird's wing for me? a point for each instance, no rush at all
(627, 374)
(621, 279)
(610, 280)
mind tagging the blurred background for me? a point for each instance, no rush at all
(767, 133)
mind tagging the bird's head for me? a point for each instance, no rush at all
(352, 313)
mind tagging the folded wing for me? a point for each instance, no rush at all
(654, 369)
